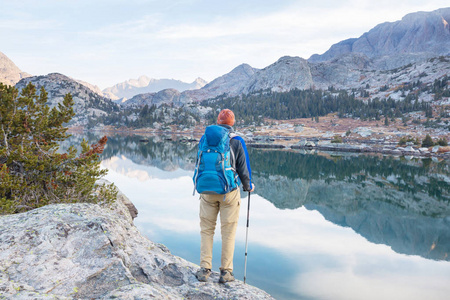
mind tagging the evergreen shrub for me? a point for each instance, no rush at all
(32, 171)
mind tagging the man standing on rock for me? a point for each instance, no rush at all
(218, 186)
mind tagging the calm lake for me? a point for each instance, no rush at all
(322, 225)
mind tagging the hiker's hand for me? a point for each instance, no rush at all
(253, 188)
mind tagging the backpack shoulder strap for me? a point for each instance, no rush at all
(233, 135)
(244, 146)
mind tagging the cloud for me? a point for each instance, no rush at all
(185, 39)
(379, 283)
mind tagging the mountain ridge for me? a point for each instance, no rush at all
(130, 88)
(87, 103)
(427, 33)
(10, 74)
(344, 64)
(341, 67)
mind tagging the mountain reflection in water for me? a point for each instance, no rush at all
(404, 204)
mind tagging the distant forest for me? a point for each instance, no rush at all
(253, 108)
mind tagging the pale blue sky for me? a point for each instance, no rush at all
(106, 42)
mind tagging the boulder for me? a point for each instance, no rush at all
(87, 251)
(435, 149)
(302, 143)
(363, 131)
(444, 149)
(328, 134)
(410, 149)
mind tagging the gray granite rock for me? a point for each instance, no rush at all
(167, 96)
(286, 74)
(422, 34)
(410, 150)
(86, 101)
(85, 251)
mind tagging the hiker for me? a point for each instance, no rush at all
(215, 200)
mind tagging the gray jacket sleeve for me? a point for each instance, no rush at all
(241, 164)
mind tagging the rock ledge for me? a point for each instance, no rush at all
(85, 251)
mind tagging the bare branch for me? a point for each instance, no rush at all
(5, 140)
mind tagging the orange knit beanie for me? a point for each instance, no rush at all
(226, 117)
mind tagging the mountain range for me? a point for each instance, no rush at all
(417, 47)
(412, 41)
(127, 89)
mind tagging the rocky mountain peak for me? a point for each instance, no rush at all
(86, 102)
(58, 76)
(10, 74)
(285, 74)
(416, 36)
(143, 85)
(142, 81)
(230, 83)
(241, 72)
(243, 69)
(200, 82)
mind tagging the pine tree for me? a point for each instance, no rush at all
(442, 142)
(32, 171)
(427, 141)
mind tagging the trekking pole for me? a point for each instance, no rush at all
(246, 238)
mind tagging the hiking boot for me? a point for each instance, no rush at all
(226, 276)
(203, 274)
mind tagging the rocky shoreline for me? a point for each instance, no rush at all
(385, 149)
(89, 251)
(315, 142)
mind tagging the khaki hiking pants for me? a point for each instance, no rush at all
(210, 205)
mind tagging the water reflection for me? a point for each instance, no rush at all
(304, 218)
(399, 203)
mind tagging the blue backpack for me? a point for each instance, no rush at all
(214, 173)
